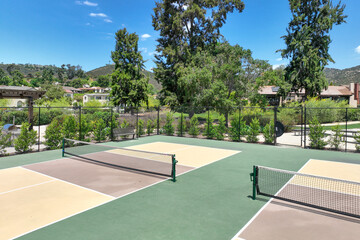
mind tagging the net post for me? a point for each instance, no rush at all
(63, 148)
(254, 180)
(173, 171)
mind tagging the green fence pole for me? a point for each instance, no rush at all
(240, 124)
(63, 147)
(80, 133)
(181, 126)
(39, 131)
(275, 120)
(111, 124)
(158, 121)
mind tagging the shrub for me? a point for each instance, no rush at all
(69, 129)
(149, 127)
(53, 136)
(253, 131)
(86, 129)
(220, 129)
(316, 135)
(335, 139)
(99, 130)
(168, 127)
(194, 127)
(238, 127)
(324, 110)
(26, 139)
(140, 127)
(289, 117)
(357, 140)
(181, 127)
(268, 132)
(209, 128)
(5, 141)
(124, 124)
(19, 116)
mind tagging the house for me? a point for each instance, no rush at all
(93, 90)
(70, 91)
(101, 97)
(350, 93)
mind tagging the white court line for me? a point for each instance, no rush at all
(111, 196)
(263, 207)
(17, 189)
(89, 189)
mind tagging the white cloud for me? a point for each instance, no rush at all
(107, 20)
(276, 66)
(145, 36)
(98, 15)
(91, 4)
(357, 50)
(143, 50)
(152, 53)
(279, 59)
(123, 25)
(87, 3)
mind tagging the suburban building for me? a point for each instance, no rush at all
(101, 97)
(93, 90)
(350, 93)
(70, 91)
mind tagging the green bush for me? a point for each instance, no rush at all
(169, 127)
(253, 131)
(181, 127)
(220, 129)
(86, 129)
(289, 117)
(53, 135)
(238, 127)
(149, 127)
(124, 124)
(335, 140)
(268, 132)
(357, 140)
(316, 135)
(26, 139)
(141, 130)
(194, 127)
(20, 116)
(324, 110)
(69, 128)
(5, 141)
(209, 130)
(99, 130)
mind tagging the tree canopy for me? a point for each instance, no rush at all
(308, 43)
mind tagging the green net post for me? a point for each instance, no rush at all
(253, 178)
(63, 148)
(173, 172)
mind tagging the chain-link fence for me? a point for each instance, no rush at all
(331, 128)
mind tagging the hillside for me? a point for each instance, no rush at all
(109, 68)
(343, 77)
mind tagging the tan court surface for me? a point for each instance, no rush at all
(188, 155)
(37, 200)
(283, 220)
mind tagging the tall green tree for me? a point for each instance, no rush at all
(129, 85)
(185, 27)
(308, 43)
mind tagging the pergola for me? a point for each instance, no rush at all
(28, 93)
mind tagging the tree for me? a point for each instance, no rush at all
(26, 139)
(308, 43)
(185, 28)
(4, 78)
(129, 85)
(52, 92)
(53, 135)
(18, 79)
(104, 81)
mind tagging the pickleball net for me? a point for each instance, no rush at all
(153, 163)
(329, 194)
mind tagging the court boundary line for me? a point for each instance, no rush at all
(29, 186)
(114, 198)
(55, 178)
(262, 208)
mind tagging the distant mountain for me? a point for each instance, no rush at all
(109, 68)
(343, 77)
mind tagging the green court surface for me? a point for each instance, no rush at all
(211, 202)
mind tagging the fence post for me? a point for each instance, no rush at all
(181, 124)
(80, 133)
(39, 131)
(346, 129)
(301, 126)
(304, 126)
(208, 120)
(158, 121)
(240, 124)
(111, 124)
(275, 120)
(137, 122)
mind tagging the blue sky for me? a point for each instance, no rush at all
(82, 32)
